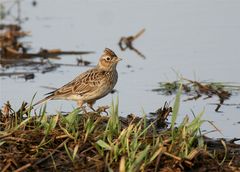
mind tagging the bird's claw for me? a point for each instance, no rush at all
(102, 109)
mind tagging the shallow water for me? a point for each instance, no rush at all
(198, 39)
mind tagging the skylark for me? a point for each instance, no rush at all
(90, 85)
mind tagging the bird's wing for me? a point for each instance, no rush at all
(84, 83)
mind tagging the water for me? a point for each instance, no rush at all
(199, 39)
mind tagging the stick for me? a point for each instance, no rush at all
(44, 159)
(23, 167)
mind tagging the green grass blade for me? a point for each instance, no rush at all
(68, 153)
(176, 108)
(30, 106)
(73, 116)
(140, 157)
(104, 145)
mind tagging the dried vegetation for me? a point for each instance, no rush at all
(15, 53)
(195, 90)
(89, 141)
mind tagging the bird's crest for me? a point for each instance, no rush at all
(109, 52)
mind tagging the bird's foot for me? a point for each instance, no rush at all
(102, 109)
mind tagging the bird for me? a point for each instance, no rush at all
(91, 85)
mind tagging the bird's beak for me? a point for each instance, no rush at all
(118, 59)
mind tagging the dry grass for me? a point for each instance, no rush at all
(81, 141)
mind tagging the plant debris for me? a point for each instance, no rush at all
(195, 90)
(89, 141)
(127, 43)
(12, 48)
(162, 115)
(82, 62)
(15, 53)
(25, 75)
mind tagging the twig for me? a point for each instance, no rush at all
(178, 158)
(23, 167)
(15, 139)
(139, 33)
(6, 167)
(53, 152)
(127, 42)
(15, 73)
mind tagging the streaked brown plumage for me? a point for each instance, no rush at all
(90, 85)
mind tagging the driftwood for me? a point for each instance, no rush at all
(20, 62)
(14, 53)
(11, 53)
(25, 75)
(12, 48)
(127, 42)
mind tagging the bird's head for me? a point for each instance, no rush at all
(108, 60)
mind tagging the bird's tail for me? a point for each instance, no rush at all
(44, 100)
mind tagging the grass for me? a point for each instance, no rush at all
(83, 141)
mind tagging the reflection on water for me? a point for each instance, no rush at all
(199, 39)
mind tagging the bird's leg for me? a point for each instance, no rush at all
(79, 103)
(80, 106)
(90, 104)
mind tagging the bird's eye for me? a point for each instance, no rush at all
(108, 58)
